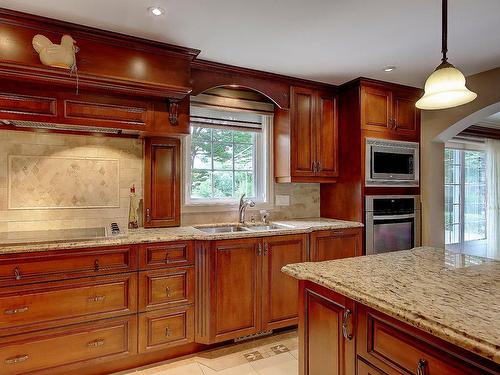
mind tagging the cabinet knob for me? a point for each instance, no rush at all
(148, 215)
(167, 291)
(96, 265)
(259, 249)
(17, 359)
(347, 314)
(266, 248)
(17, 274)
(318, 166)
(167, 332)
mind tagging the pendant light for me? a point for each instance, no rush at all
(445, 87)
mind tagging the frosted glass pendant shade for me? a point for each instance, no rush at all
(445, 88)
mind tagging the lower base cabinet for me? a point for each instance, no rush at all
(339, 336)
(109, 339)
(240, 287)
(326, 339)
(336, 244)
(162, 329)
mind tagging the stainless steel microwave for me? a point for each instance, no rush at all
(391, 163)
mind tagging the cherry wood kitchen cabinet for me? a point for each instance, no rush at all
(338, 335)
(280, 297)
(162, 195)
(326, 332)
(166, 295)
(229, 283)
(336, 244)
(306, 137)
(240, 288)
(390, 109)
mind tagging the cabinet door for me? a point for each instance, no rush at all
(376, 108)
(280, 291)
(327, 136)
(162, 197)
(338, 244)
(325, 347)
(406, 115)
(303, 117)
(236, 289)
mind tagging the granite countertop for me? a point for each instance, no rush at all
(452, 296)
(138, 236)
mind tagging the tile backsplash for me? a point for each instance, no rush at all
(57, 181)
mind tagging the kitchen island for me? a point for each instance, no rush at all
(421, 311)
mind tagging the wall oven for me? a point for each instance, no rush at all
(391, 163)
(392, 223)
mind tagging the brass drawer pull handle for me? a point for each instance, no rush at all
(18, 359)
(167, 332)
(347, 315)
(421, 367)
(266, 248)
(96, 299)
(96, 265)
(96, 343)
(167, 291)
(148, 215)
(19, 310)
(17, 274)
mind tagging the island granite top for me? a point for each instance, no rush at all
(453, 296)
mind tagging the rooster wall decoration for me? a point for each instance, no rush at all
(57, 55)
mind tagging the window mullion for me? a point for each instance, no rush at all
(462, 197)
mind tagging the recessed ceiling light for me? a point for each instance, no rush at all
(157, 11)
(389, 68)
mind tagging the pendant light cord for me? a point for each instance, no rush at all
(444, 31)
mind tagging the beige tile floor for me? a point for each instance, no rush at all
(278, 356)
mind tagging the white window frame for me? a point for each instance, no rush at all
(263, 176)
(463, 245)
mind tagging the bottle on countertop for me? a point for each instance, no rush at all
(133, 220)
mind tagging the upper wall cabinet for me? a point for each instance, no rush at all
(306, 137)
(162, 195)
(390, 109)
(119, 82)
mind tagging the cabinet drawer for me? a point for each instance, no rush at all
(43, 350)
(70, 301)
(166, 288)
(165, 328)
(398, 349)
(30, 267)
(169, 254)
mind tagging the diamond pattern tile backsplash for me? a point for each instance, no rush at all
(62, 182)
(57, 181)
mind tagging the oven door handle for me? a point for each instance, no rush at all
(394, 217)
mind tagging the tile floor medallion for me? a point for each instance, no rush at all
(273, 355)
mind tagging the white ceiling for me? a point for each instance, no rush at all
(325, 40)
(492, 121)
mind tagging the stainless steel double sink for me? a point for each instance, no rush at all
(242, 228)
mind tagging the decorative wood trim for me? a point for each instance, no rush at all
(202, 292)
(96, 48)
(481, 132)
(173, 112)
(208, 74)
